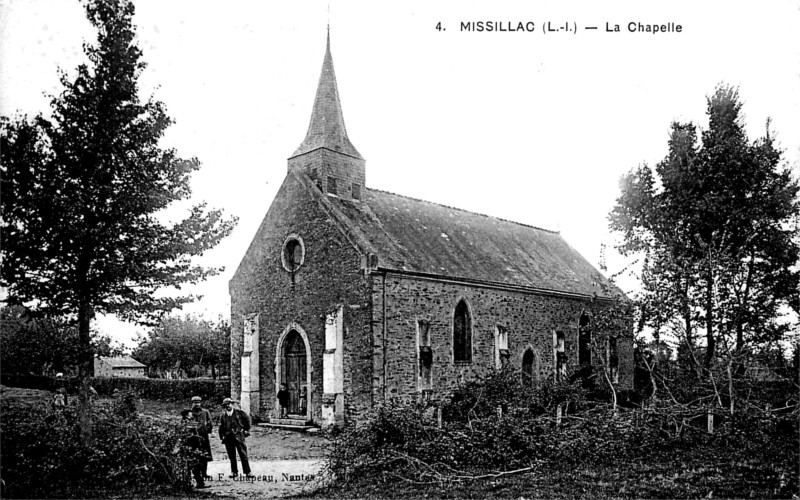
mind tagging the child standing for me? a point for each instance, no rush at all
(303, 400)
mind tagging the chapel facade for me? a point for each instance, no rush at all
(361, 296)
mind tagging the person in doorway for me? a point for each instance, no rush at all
(204, 425)
(234, 427)
(283, 401)
(303, 400)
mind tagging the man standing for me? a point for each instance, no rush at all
(234, 427)
(192, 448)
(204, 425)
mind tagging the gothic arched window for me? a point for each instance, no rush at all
(527, 368)
(462, 334)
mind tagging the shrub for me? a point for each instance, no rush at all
(405, 441)
(159, 389)
(42, 456)
(165, 389)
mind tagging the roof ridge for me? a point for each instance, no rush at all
(551, 231)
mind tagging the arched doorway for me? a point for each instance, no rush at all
(527, 368)
(294, 368)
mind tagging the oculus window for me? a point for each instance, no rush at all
(293, 254)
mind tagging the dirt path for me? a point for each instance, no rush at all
(284, 462)
(267, 443)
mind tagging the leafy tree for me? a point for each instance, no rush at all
(104, 346)
(718, 224)
(44, 345)
(83, 192)
(181, 344)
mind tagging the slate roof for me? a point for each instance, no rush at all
(422, 237)
(122, 362)
(326, 129)
(415, 236)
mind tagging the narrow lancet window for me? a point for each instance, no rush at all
(462, 334)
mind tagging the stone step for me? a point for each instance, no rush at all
(288, 421)
(303, 428)
(294, 422)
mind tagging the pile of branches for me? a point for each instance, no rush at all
(490, 430)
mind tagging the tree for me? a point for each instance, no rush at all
(102, 345)
(82, 196)
(180, 344)
(718, 224)
(44, 345)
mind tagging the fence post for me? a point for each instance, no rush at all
(558, 415)
(499, 412)
(439, 416)
(710, 423)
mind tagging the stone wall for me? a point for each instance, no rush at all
(530, 321)
(321, 165)
(329, 278)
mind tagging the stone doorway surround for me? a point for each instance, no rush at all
(280, 369)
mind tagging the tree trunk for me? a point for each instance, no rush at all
(739, 335)
(710, 343)
(739, 367)
(85, 373)
(687, 319)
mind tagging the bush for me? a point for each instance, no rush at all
(165, 389)
(42, 456)
(159, 389)
(27, 381)
(405, 441)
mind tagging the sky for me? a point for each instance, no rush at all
(531, 126)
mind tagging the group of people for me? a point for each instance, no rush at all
(234, 427)
(284, 398)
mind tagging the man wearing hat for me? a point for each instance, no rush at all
(204, 425)
(192, 448)
(234, 427)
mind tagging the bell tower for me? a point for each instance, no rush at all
(326, 154)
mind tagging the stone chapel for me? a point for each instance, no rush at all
(358, 296)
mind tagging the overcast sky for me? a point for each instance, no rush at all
(535, 127)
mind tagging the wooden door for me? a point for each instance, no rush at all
(294, 365)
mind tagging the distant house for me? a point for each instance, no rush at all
(120, 366)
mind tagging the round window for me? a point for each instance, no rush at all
(293, 253)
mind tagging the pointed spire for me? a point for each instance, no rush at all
(327, 129)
